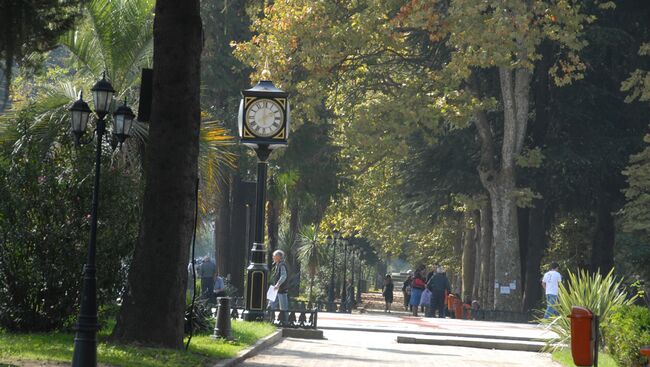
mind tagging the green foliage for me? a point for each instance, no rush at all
(203, 351)
(46, 183)
(563, 356)
(201, 318)
(627, 331)
(636, 216)
(44, 226)
(311, 254)
(28, 27)
(591, 291)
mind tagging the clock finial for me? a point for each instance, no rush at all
(266, 74)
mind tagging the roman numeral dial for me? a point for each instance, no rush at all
(264, 117)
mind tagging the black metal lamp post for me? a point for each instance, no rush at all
(344, 293)
(332, 242)
(85, 341)
(263, 122)
(353, 253)
(361, 255)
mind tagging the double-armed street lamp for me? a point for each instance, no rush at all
(353, 253)
(85, 341)
(263, 122)
(361, 255)
(345, 243)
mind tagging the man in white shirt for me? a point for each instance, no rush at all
(551, 283)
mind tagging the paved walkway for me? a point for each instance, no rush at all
(370, 340)
(402, 323)
(359, 348)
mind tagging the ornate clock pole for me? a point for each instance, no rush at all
(263, 126)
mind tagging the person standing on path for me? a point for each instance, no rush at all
(279, 281)
(219, 286)
(387, 292)
(551, 283)
(417, 287)
(438, 285)
(406, 291)
(207, 272)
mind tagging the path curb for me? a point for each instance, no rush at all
(475, 343)
(437, 333)
(261, 344)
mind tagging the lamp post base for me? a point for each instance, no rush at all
(254, 315)
(256, 283)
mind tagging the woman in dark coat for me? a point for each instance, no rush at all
(387, 292)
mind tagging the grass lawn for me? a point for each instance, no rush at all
(563, 357)
(57, 347)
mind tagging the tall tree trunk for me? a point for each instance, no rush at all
(602, 250)
(241, 229)
(468, 258)
(499, 179)
(537, 243)
(487, 287)
(222, 227)
(153, 309)
(523, 224)
(456, 279)
(507, 269)
(476, 289)
(294, 227)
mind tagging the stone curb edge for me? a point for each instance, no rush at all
(263, 343)
(435, 333)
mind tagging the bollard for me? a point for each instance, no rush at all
(222, 325)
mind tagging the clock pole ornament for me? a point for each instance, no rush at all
(263, 121)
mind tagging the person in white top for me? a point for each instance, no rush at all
(551, 283)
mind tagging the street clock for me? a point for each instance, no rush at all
(264, 115)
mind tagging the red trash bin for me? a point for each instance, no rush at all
(582, 336)
(450, 303)
(645, 351)
(458, 308)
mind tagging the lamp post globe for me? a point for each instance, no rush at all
(123, 122)
(102, 96)
(80, 113)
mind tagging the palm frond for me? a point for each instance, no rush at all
(215, 159)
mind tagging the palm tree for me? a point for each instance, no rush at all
(116, 37)
(311, 254)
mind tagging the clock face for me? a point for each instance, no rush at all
(264, 117)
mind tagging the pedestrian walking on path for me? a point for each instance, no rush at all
(417, 287)
(551, 283)
(279, 281)
(387, 292)
(438, 285)
(207, 272)
(406, 291)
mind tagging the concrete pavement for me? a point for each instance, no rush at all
(345, 348)
(371, 340)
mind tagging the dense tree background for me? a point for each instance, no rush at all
(398, 139)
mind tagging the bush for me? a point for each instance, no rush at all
(628, 330)
(592, 291)
(201, 320)
(46, 190)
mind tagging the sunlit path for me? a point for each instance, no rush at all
(355, 348)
